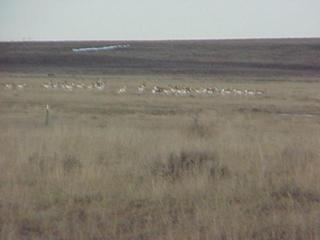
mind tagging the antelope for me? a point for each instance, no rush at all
(200, 90)
(249, 92)
(46, 86)
(67, 86)
(50, 85)
(225, 91)
(157, 90)
(54, 85)
(141, 88)
(122, 90)
(9, 86)
(99, 85)
(259, 92)
(237, 92)
(80, 86)
(209, 91)
(185, 91)
(21, 86)
(174, 90)
(89, 86)
(181, 92)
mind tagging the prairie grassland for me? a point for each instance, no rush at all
(158, 167)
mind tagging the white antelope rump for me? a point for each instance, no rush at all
(224, 92)
(50, 85)
(21, 86)
(142, 88)
(249, 92)
(160, 90)
(8, 86)
(181, 91)
(80, 86)
(237, 92)
(67, 86)
(46, 86)
(156, 90)
(199, 91)
(259, 92)
(90, 86)
(210, 91)
(122, 90)
(99, 85)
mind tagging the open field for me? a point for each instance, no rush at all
(146, 166)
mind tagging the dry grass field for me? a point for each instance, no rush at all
(129, 166)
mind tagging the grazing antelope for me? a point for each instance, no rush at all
(174, 89)
(166, 91)
(67, 86)
(122, 90)
(170, 90)
(183, 91)
(209, 91)
(8, 86)
(141, 88)
(99, 85)
(180, 91)
(21, 86)
(156, 90)
(54, 85)
(50, 85)
(249, 92)
(259, 92)
(237, 92)
(46, 86)
(80, 86)
(199, 90)
(225, 92)
(90, 86)
(188, 90)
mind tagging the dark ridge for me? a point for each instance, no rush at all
(265, 57)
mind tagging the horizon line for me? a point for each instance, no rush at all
(161, 40)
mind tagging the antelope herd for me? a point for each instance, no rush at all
(183, 91)
(170, 90)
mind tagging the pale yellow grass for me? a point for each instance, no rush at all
(146, 167)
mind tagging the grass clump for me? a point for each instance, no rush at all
(186, 163)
